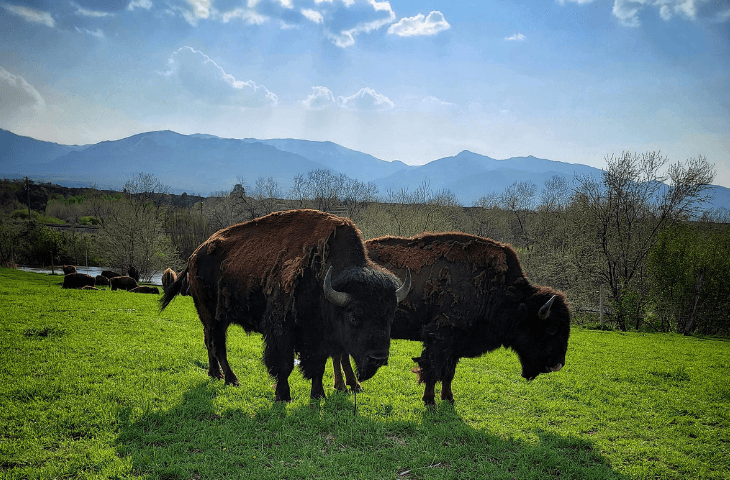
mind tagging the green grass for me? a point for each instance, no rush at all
(97, 384)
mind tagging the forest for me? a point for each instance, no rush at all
(633, 249)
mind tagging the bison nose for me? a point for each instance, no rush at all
(379, 358)
(557, 367)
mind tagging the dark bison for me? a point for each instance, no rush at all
(168, 278)
(301, 278)
(67, 269)
(133, 273)
(102, 280)
(77, 280)
(469, 296)
(110, 274)
(145, 289)
(185, 288)
(122, 283)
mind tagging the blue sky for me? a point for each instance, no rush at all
(568, 80)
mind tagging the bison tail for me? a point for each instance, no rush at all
(172, 290)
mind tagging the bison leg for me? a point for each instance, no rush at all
(350, 377)
(217, 336)
(446, 379)
(279, 361)
(214, 369)
(337, 371)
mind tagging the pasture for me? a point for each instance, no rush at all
(98, 384)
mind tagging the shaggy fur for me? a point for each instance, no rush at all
(122, 283)
(470, 296)
(77, 280)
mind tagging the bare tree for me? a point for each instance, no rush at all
(266, 194)
(518, 198)
(620, 215)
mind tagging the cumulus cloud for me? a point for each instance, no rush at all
(17, 93)
(517, 37)
(209, 83)
(357, 18)
(365, 99)
(31, 15)
(420, 25)
(320, 98)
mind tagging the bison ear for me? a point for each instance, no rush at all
(544, 312)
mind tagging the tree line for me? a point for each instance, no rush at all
(632, 248)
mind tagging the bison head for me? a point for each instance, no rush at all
(541, 341)
(364, 302)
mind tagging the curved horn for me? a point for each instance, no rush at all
(341, 299)
(402, 292)
(544, 312)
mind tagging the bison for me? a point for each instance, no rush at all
(110, 274)
(145, 289)
(303, 279)
(168, 277)
(470, 296)
(122, 283)
(102, 280)
(133, 273)
(67, 269)
(185, 288)
(77, 280)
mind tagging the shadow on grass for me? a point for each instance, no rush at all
(197, 440)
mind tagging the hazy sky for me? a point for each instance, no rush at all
(568, 80)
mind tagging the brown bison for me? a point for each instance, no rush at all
(67, 269)
(101, 280)
(122, 283)
(110, 274)
(469, 296)
(168, 278)
(302, 278)
(77, 280)
(145, 289)
(133, 273)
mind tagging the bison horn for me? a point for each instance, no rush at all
(402, 292)
(544, 312)
(341, 299)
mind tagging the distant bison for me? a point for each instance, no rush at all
(67, 269)
(89, 287)
(77, 280)
(133, 273)
(110, 274)
(168, 277)
(145, 289)
(122, 283)
(101, 280)
(302, 278)
(470, 296)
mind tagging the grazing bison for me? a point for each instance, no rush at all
(469, 296)
(145, 289)
(77, 280)
(102, 280)
(67, 269)
(301, 278)
(122, 283)
(168, 278)
(110, 274)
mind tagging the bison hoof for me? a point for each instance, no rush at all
(340, 387)
(357, 388)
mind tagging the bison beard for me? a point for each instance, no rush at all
(302, 279)
(470, 296)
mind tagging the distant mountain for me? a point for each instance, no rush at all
(202, 164)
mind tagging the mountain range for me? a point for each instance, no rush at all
(202, 164)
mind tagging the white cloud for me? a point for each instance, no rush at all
(85, 12)
(357, 18)
(17, 93)
(518, 37)
(312, 15)
(249, 17)
(145, 4)
(31, 15)
(209, 83)
(627, 11)
(420, 25)
(320, 98)
(94, 33)
(579, 2)
(366, 99)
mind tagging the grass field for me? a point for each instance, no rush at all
(100, 385)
